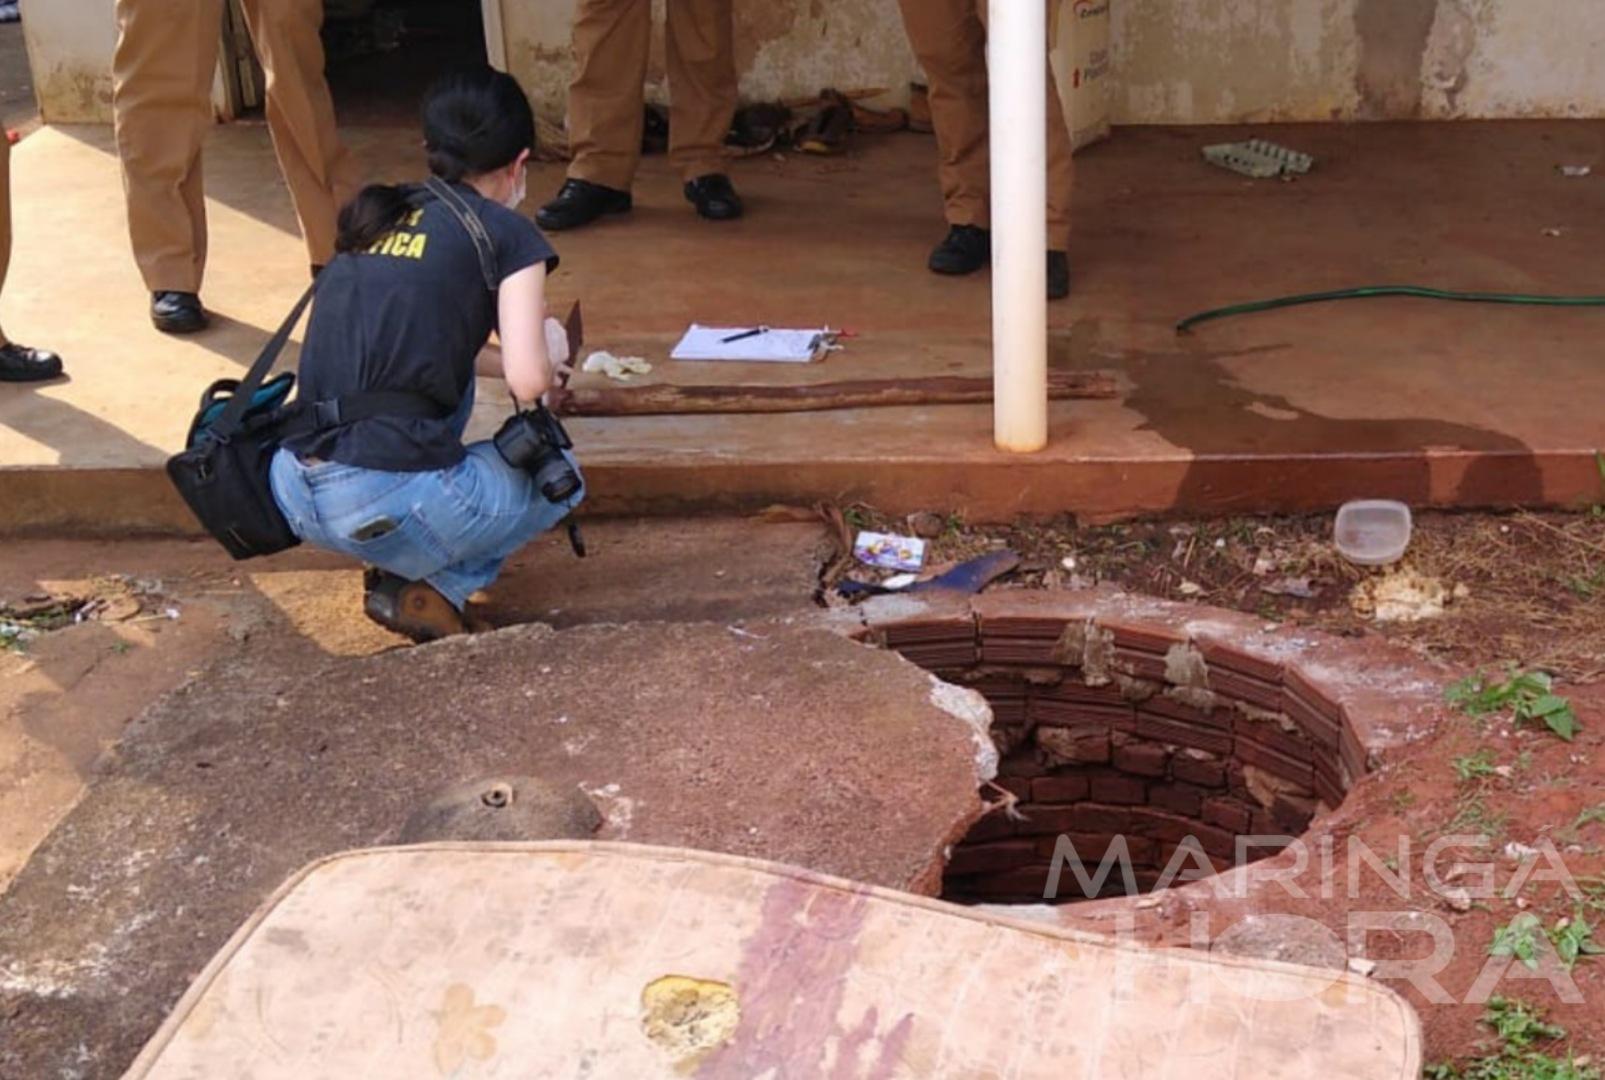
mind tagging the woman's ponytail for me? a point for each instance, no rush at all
(376, 211)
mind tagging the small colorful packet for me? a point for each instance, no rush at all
(889, 551)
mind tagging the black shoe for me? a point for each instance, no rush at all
(18, 363)
(580, 202)
(714, 197)
(965, 250)
(178, 313)
(1058, 275)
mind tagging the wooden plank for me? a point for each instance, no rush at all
(661, 399)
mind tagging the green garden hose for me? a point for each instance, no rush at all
(1388, 290)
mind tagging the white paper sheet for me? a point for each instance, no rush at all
(771, 346)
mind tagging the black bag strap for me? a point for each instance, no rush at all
(227, 425)
(470, 222)
(365, 405)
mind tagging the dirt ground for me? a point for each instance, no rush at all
(1531, 593)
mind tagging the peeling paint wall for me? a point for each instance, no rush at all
(784, 48)
(1175, 61)
(70, 44)
(1233, 61)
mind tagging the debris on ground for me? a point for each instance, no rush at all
(1575, 170)
(1400, 596)
(889, 551)
(1521, 587)
(1259, 158)
(107, 600)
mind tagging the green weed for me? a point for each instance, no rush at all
(1529, 695)
(1520, 1030)
(1478, 766)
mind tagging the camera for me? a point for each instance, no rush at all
(534, 441)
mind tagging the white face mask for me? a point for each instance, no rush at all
(520, 189)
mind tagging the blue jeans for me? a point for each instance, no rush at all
(452, 528)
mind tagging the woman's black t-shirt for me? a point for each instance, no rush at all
(411, 313)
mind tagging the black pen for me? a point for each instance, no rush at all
(744, 335)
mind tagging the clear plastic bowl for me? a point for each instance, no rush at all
(1372, 532)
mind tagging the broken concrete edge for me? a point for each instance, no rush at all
(1320, 981)
(1364, 697)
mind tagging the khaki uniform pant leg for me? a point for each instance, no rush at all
(949, 38)
(612, 39)
(700, 55)
(5, 214)
(321, 173)
(162, 73)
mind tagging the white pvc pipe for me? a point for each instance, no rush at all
(1017, 61)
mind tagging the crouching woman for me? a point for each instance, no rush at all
(406, 309)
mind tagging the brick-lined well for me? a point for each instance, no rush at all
(1122, 716)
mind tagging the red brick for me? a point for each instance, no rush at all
(1198, 736)
(1019, 786)
(1271, 735)
(1171, 709)
(994, 826)
(1139, 663)
(1178, 798)
(1354, 756)
(1161, 824)
(1320, 728)
(1231, 684)
(1152, 637)
(1120, 790)
(1142, 758)
(1230, 814)
(935, 656)
(1046, 711)
(1205, 772)
(1328, 784)
(1280, 765)
(1224, 653)
(1059, 789)
(1074, 745)
(1292, 813)
(1000, 650)
(991, 857)
(1312, 696)
(1091, 817)
(1024, 626)
(1022, 763)
(1044, 820)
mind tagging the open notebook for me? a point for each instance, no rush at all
(771, 346)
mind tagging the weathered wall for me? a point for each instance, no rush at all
(784, 48)
(69, 49)
(1222, 61)
(1176, 61)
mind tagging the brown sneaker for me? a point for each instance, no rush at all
(411, 608)
(919, 109)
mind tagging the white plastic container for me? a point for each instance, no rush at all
(1372, 532)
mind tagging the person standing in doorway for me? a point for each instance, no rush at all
(18, 363)
(606, 103)
(162, 73)
(949, 37)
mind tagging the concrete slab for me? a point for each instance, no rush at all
(1436, 404)
(558, 960)
(66, 700)
(777, 742)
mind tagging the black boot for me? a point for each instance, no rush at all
(580, 202)
(714, 197)
(178, 312)
(1058, 275)
(965, 250)
(18, 363)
